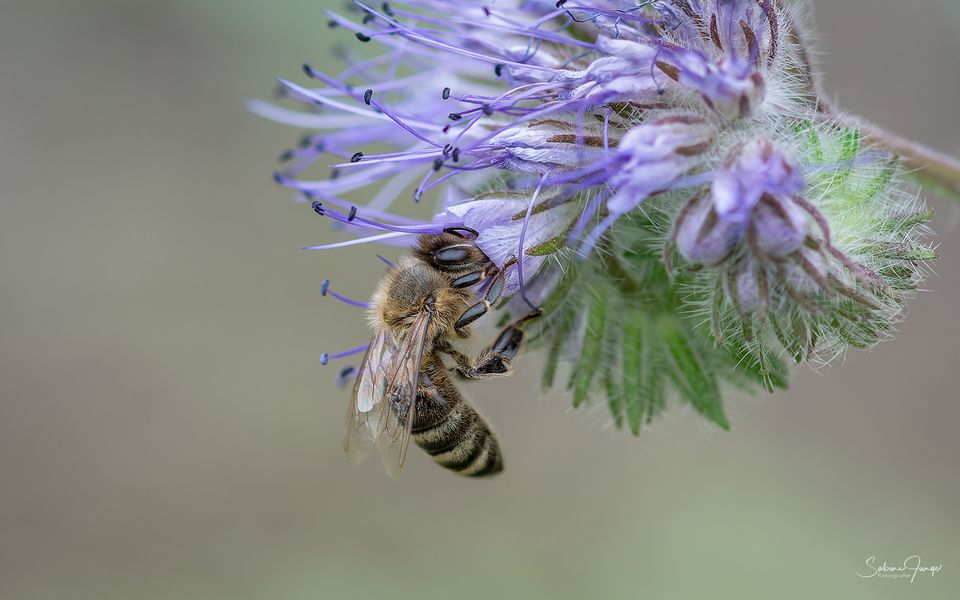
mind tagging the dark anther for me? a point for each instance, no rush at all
(486, 11)
(344, 377)
(368, 17)
(446, 128)
(437, 164)
(455, 116)
(352, 215)
(305, 140)
(447, 149)
(367, 95)
(334, 173)
(287, 155)
(363, 37)
(324, 358)
(308, 69)
(324, 286)
(456, 155)
(277, 177)
(356, 157)
(387, 9)
(487, 109)
(445, 93)
(318, 208)
(332, 24)
(560, 3)
(498, 70)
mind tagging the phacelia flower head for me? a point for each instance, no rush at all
(680, 206)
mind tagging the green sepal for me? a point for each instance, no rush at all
(554, 244)
(909, 221)
(694, 382)
(897, 251)
(614, 397)
(814, 145)
(760, 365)
(563, 326)
(634, 372)
(591, 348)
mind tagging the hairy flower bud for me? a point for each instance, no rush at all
(751, 196)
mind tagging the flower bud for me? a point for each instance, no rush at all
(701, 237)
(752, 195)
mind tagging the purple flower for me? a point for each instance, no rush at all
(511, 87)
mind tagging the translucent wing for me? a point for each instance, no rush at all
(364, 412)
(396, 418)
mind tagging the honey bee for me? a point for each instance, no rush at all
(421, 307)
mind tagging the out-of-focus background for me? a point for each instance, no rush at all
(166, 430)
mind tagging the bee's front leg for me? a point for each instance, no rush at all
(490, 297)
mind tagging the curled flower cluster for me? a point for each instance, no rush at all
(682, 208)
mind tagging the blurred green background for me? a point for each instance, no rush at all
(166, 430)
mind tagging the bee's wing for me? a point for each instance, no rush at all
(366, 405)
(396, 418)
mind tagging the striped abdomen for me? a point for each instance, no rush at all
(449, 429)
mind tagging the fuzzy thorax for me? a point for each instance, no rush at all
(409, 288)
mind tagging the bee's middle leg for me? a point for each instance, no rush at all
(495, 360)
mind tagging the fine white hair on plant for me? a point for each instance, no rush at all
(687, 211)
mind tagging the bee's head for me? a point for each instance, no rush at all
(412, 288)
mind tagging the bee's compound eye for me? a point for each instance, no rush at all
(452, 255)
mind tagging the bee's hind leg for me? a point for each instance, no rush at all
(494, 361)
